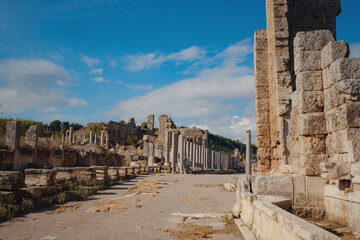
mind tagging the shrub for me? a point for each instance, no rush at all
(132, 140)
(144, 126)
(61, 198)
(27, 205)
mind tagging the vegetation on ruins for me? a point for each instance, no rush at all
(144, 126)
(55, 127)
(95, 128)
(11, 207)
(226, 145)
(133, 140)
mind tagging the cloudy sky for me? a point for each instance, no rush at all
(99, 60)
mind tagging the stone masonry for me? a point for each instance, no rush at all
(308, 106)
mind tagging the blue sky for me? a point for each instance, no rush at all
(100, 60)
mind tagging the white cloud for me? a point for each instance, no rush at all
(60, 117)
(99, 79)
(98, 71)
(355, 50)
(211, 98)
(112, 63)
(34, 84)
(153, 60)
(139, 86)
(119, 82)
(90, 62)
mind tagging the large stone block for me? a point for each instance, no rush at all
(310, 163)
(13, 134)
(11, 180)
(261, 92)
(307, 61)
(273, 185)
(315, 191)
(284, 79)
(345, 68)
(312, 144)
(309, 81)
(299, 191)
(310, 101)
(312, 40)
(345, 91)
(333, 51)
(312, 124)
(335, 170)
(262, 104)
(40, 177)
(327, 78)
(31, 137)
(337, 142)
(65, 174)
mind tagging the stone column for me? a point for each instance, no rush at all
(63, 138)
(206, 158)
(191, 154)
(151, 156)
(202, 157)
(71, 134)
(95, 139)
(174, 150)
(52, 136)
(248, 153)
(181, 154)
(13, 134)
(167, 146)
(212, 160)
(91, 137)
(150, 122)
(102, 138)
(196, 155)
(107, 141)
(73, 138)
(145, 146)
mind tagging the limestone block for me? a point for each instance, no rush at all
(310, 163)
(299, 191)
(327, 78)
(262, 141)
(335, 119)
(281, 65)
(345, 68)
(333, 51)
(312, 40)
(11, 180)
(307, 61)
(262, 129)
(337, 142)
(261, 92)
(354, 148)
(65, 174)
(13, 134)
(40, 177)
(310, 101)
(312, 144)
(355, 169)
(284, 79)
(281, 24)
(273, 185)
(312, 124)
(262, 104)
(280, 10)
(309, 81)
(113, 173)
(31, 137)
(86, 175)
(335, 170)
(314, 191)
(262, 116)
(261, 40)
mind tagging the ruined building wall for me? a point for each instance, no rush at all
(275, 77)
(308, 105)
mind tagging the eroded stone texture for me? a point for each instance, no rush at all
(40, 177)
(11, 180)
(151, 121)
(13, 134)
(31, 137)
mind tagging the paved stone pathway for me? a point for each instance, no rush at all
(161, 206)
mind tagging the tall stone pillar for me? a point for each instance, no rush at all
(63, 138)
(248, 153)
(174, 151)
(150, 122)
(107, 141)
(191, 154)
(151, 156)
(145, 146)
(73, 138)
(181, 154)
(13, 134)
(71, 132)
(212, 160)
(167, 148)
(95, 139)
(206, 158)
(91, 137)
(102, 138)
(196, 147)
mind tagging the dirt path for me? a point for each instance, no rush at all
(148, 207)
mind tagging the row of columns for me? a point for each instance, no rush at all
(186, 153)
(92, 138)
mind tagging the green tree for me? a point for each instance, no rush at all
(132, 140)
(143, 125)
(55, 126)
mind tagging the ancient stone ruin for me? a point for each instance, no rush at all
(308, 128)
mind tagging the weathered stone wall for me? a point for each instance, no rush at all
(308, 106)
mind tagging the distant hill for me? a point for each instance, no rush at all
(226, 145)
